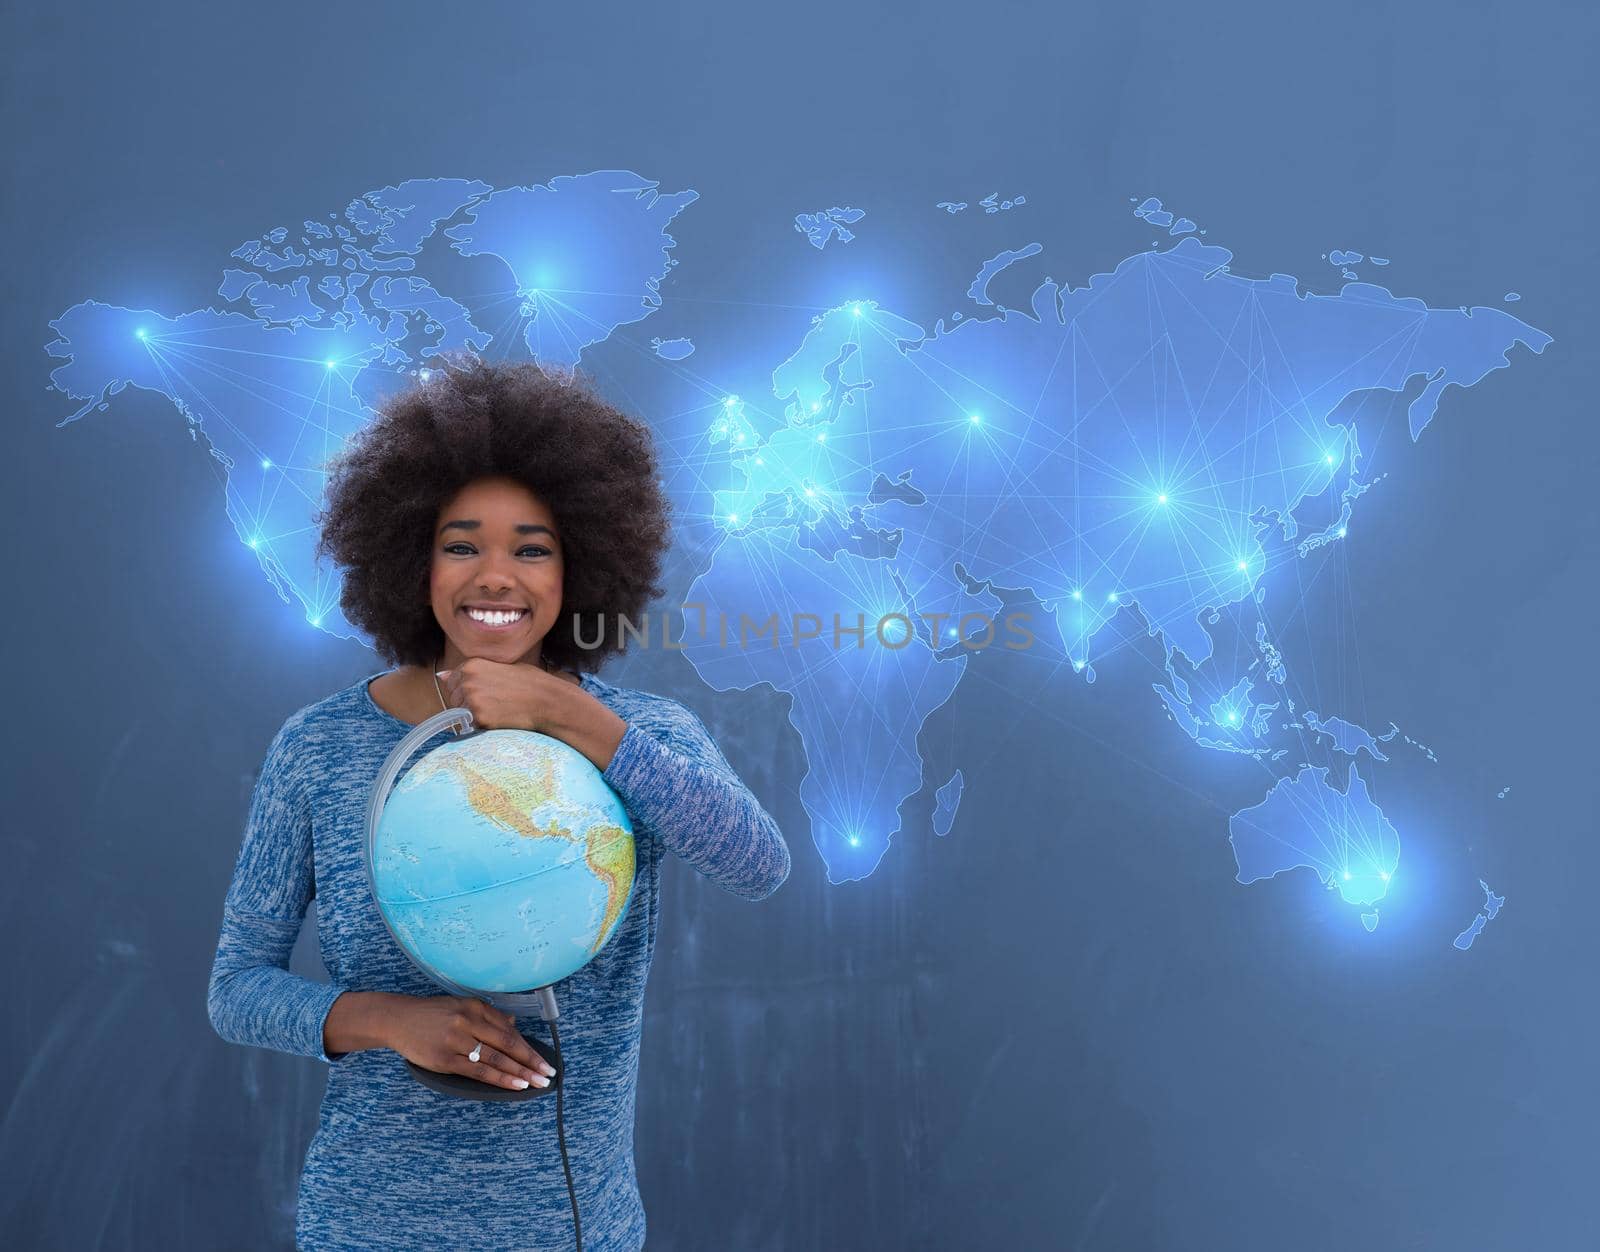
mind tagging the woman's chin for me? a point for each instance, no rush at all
(506, 651)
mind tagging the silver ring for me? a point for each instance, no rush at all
(475, 1054)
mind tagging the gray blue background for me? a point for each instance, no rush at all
(1061, 1025)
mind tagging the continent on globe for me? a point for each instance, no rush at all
(513, 788)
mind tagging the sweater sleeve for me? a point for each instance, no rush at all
(677, 782)
(253, 998)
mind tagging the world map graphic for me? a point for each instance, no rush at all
(1167, 452)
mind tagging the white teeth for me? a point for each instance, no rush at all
(495, 619)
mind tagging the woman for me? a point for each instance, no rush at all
(486, 521)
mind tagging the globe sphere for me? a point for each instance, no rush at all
(502, 861)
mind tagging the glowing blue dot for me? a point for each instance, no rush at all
(822, 438)
(330, 362)
(1244, 564)
(266, 464)
(142, 333)
(815, 406)
(856, 310)
(952, 632)
(855, 842)
(1347, 875)
(1077, 665)
(759, 461)
(1077, 595)
(810, 492)
(253, 543)
(739, 438)
(974, 418)
(729, 402)
(1342, 532)
(1112, 598)
(721, 426)
(1162, 498)
(316, 621)
(1329, 458)
(1385, 877)
(425, 375)
(1232, 718)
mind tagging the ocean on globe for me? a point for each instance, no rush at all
(502, 861)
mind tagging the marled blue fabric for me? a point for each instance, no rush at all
(393, 1165)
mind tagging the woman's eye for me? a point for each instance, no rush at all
(466, 549)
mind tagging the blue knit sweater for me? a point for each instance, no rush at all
(392, 1165)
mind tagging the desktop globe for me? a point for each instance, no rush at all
(501, 861)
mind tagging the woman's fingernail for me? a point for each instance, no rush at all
(541, 1080)
(519, 1083)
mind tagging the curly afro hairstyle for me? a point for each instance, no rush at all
(592, 465)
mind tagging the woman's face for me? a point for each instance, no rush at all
(495, 547)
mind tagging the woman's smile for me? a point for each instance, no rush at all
(494, 621)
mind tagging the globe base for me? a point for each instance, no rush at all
(464, 1088)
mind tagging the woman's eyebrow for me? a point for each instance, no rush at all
(522, 528)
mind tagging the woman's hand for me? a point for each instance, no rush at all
(519, 696)
(438, 1032)
(501, 695)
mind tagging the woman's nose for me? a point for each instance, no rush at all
(494, 572)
